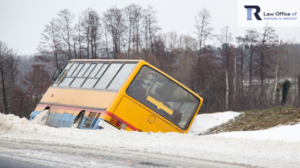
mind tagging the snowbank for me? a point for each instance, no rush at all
(288, 133)
(220, 148)
(204, 122)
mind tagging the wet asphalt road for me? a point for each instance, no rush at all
(11, 163)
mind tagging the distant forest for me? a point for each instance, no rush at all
(231, 73)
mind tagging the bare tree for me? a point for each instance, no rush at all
(187, 50)
(94, 22)
(85, 18)
(203, 30)
(129, 19)
(151, 27)
(8, 75)
(134, 15)
(38, 80)
(4, 54)
(66, 31)
(252, 38)
(267, 40)
(115, 23)
(106, 40)
(78, 38)
(225, 39)
(12, 68)
(20, 99)
(92, 32)
(50, 46)
(276, 53)
(138, 16)
(241, 51)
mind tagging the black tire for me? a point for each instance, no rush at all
(77, 120)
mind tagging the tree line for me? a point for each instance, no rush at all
(230, 73)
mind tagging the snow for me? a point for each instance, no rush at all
(204, 122)
(256, 148)
(41, 118)
(288, 133)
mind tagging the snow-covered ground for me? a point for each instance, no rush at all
(204, 122)
(275, 147)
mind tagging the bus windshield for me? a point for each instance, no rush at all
(164, 96)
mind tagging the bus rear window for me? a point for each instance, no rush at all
(164, 96)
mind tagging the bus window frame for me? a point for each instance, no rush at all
(118, 73)
(88, 77)
(191, 117)
(89, 73)
(123, 63)
(93, 88)
(80, 76)
(58, 82)
(114, 75)
(76, 70)
(94, 62)
(82, 62)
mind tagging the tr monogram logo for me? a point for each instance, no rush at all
(249, 11)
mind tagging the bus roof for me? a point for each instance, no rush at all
(105, 60)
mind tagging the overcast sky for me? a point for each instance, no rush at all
(22, 21)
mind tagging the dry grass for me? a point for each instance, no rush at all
(259, 120)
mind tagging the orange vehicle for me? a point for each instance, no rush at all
(117, 94)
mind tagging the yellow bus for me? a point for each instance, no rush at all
(130, 95)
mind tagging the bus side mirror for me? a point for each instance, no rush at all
(56, 74)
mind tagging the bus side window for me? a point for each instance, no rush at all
(77, 70)
(108, 75)
(96, 70)
(77, 82)
(61, 74)
(89, 70)
(84, 68)
(68, 79)
(121, 77)
(74, 66)
(94, 76)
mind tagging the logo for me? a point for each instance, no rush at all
(249, 12)
(277, 13)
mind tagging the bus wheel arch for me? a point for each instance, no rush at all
(78, 119)
(41, 117)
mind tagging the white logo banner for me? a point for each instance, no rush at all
(279, 13)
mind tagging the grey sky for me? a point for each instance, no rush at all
(22, 21)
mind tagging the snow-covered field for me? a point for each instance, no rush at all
(275, 147)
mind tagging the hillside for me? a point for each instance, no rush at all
(259, 120)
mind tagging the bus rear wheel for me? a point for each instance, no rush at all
(77, 120)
